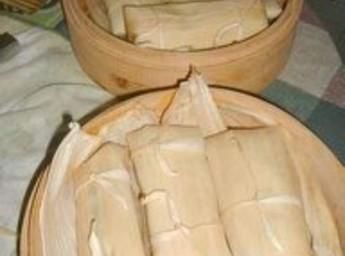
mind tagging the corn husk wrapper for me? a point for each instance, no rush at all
(325, 237)
(237, 117)
(321, 222)
(57, 224)
(193, 105)
(130, 120)
(194, 25)
(57, 212)
(262, 209)
(109, 219)
(115, 12)
(179, 196)
(273, 9)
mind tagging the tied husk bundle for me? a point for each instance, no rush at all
(180, 182)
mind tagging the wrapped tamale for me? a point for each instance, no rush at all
(193, 105)
(109, 218)
(259, 193)
(178, 194)
(321, 222)
(194, 25)
(57, 224)
(129, 120)
(322, 226)
(57, 211)
(115, 12)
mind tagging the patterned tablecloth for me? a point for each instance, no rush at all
(42, 87)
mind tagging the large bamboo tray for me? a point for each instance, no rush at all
(121, 67)
(238, 110)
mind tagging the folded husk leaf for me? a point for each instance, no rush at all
(115, 13)
(130, 120)
(321, 222)
(116, 16)
(57, 212)
(108, 213)
(57, 224)
(179, 196)
(193, 105)
(194, 25)
(262, 209)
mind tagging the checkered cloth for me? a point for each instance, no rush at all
(43, 82)
(312, 86)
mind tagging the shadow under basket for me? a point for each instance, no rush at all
(121, 67)
(239, 111)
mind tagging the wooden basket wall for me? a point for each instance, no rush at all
(121, 67)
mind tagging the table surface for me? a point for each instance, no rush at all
(43, 87)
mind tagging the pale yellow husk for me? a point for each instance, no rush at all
(254, 186)
(321, 222)
(57, 212)
(57, 224)
(194, 25)
(179, 196)
(259, 194)
(193, 105)
(115, 12)
(108, 214)
(134, 118)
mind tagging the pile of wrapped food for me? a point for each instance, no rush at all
(182, 183)
(183, 25)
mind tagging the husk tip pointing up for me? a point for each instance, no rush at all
(193, 72)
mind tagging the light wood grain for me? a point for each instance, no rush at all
(98, 13)
(121, 67)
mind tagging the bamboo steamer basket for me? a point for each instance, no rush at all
(121, 67)
(238, 110)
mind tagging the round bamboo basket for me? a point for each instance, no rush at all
(121, 67)
(238, 110)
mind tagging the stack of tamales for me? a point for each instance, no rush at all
(184, 25)
(182, 183)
